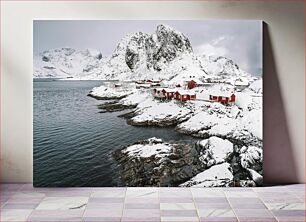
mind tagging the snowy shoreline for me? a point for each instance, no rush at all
(153, 162)
(197, 118)
(215, 125)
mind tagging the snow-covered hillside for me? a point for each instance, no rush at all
(230, 147)
(164, 54)
(68, 63)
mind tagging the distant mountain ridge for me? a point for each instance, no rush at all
(164, 54)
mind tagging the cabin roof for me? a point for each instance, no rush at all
(166, 89)
(170, 90)
(185, 92)
(223, 94)
(195, 80)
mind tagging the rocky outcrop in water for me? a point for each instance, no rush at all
(208, 163)
(105, 97)
(109, 93)
(214, 151)
(114, 106)
(155, 163)
(157, 113)
(168, 121)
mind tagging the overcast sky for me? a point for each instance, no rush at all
(239, 40)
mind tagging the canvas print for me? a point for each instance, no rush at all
(148, 103)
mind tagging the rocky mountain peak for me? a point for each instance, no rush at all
(142, 51)
(165, 53)
(168, 36)
(135, 54)
(164, 45)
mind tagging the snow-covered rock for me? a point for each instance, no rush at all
(256, 177)
(153, 112)
(214, 120)
(251, 158)
(214, 150)
(256, 87)
(205, 119)
(241, 121)
(136, 97)
(153, 162)
(155, 147)
(216, 176)
(106, 92)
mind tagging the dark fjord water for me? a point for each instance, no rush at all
(73, 142)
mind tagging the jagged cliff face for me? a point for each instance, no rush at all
(154, 51)
(166, 54)
(135, 53)
(164, 46)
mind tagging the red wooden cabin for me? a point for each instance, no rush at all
(163, 93)
(159, 93)
(191, 84)
(225, 100)
(233, 98)
(184, 96)
(169, 93)
(177, 95)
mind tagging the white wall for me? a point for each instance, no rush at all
(284, 123)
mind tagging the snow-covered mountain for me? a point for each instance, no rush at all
(164, 54)
(67, 63)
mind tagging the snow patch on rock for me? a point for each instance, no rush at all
(107, 92)
(136, 97)
(251, 157)
(148, 150)
(240, 121)
(256, 177)
(214, 150)
(153, 162)
(256, 87)
(152, 112)
(216, 176)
